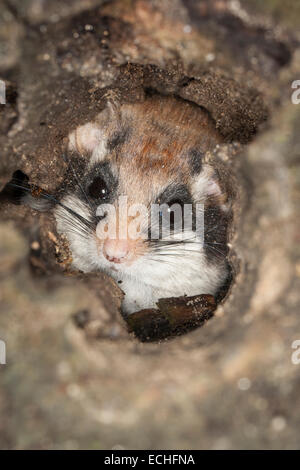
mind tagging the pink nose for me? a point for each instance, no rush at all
(115, 251)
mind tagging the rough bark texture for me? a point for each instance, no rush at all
(75, 377)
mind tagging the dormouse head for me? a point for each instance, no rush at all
(146, 166)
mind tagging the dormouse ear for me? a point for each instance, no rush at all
(205, 186)
(92, 138)
(86, 138)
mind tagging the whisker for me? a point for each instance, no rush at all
(44, 195)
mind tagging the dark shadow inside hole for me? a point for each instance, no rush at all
(13, 191)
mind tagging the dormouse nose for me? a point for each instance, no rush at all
(115, 251)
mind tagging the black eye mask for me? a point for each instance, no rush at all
(178, 193)
(175, 194)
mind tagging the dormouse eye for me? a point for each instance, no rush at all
(172, 210)
(175, 201)
(178, 202)
(98, 188)
(172, 202)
